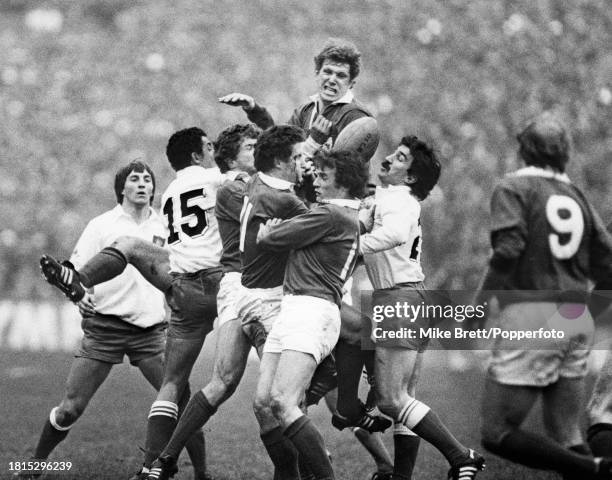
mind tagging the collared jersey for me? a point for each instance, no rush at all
(266, 197)
(128, 296)
(188, 205)
(340, 113)
(227, 210)
(323, 245)
(545, 222)
(392, 250)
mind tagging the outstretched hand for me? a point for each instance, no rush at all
(238, 100)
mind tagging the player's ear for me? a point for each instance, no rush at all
(410, 179)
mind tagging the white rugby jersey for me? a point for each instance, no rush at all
(128, 296)
(392, 250)
(188, 207)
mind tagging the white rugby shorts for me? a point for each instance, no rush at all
(259, 304)
(230, 289)
(305, 324)
(540, 362)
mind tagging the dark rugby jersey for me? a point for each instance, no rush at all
(323, 244)
(227, 210)
(265, 198)
(544, 222)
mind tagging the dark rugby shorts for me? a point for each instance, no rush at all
(192, 298)
(107, 338)
(411, 293)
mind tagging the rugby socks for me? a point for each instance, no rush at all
(51, 436)
(196, 414)
(349, 363)
(305, 473)
(103, 266)
(406, 447)
(539, 451)
(421, 420)
(162, 420)
(324, 380)
(373, 443)
(283, 454)
(599, 437)
(309, 443)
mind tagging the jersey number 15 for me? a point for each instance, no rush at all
(189, 211)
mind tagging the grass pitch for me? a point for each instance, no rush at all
(104, 442)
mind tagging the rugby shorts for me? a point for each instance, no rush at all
(259, 305)
(192, 299)
(107, 338)
(305, 324)
(230, 289)
(407, 293)
(540, 362)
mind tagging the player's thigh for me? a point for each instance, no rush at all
(563, 404)
(192, 299)
(151, 260)
(293, 375)
(153, 369)
(393, 369)
(85, 377)
(180, 356)
(600, 404)
(505, 407)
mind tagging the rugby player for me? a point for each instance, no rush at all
(547, 243)
(189, 275)
(322, 246)
(123, 316)
(234, 150)
(392, 257)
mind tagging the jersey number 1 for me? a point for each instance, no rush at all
(565, 217)
(192, 211)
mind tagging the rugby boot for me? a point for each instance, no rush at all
(63, 276)
(469, 468)
(366, 421)
(163, 468)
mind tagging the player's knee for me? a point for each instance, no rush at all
(69, 411)
(261, 406)
(491, 435)
(389, 403)
(279, 404)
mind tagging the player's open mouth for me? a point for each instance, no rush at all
(385, 166)
(329, 90)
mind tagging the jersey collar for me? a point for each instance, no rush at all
(346, 98)
(343, 202)
(234, 174)
(532, 171)
(274, 182)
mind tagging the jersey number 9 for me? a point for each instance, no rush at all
(565, 217)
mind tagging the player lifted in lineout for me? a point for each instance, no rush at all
(547, 243)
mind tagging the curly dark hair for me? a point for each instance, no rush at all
(182, 144)
(276, 143)
(228, 143)
(137, 166)
(340, 51)
(425, 166)
(350, 171)
(545, 143)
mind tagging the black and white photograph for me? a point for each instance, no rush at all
(277, 239)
